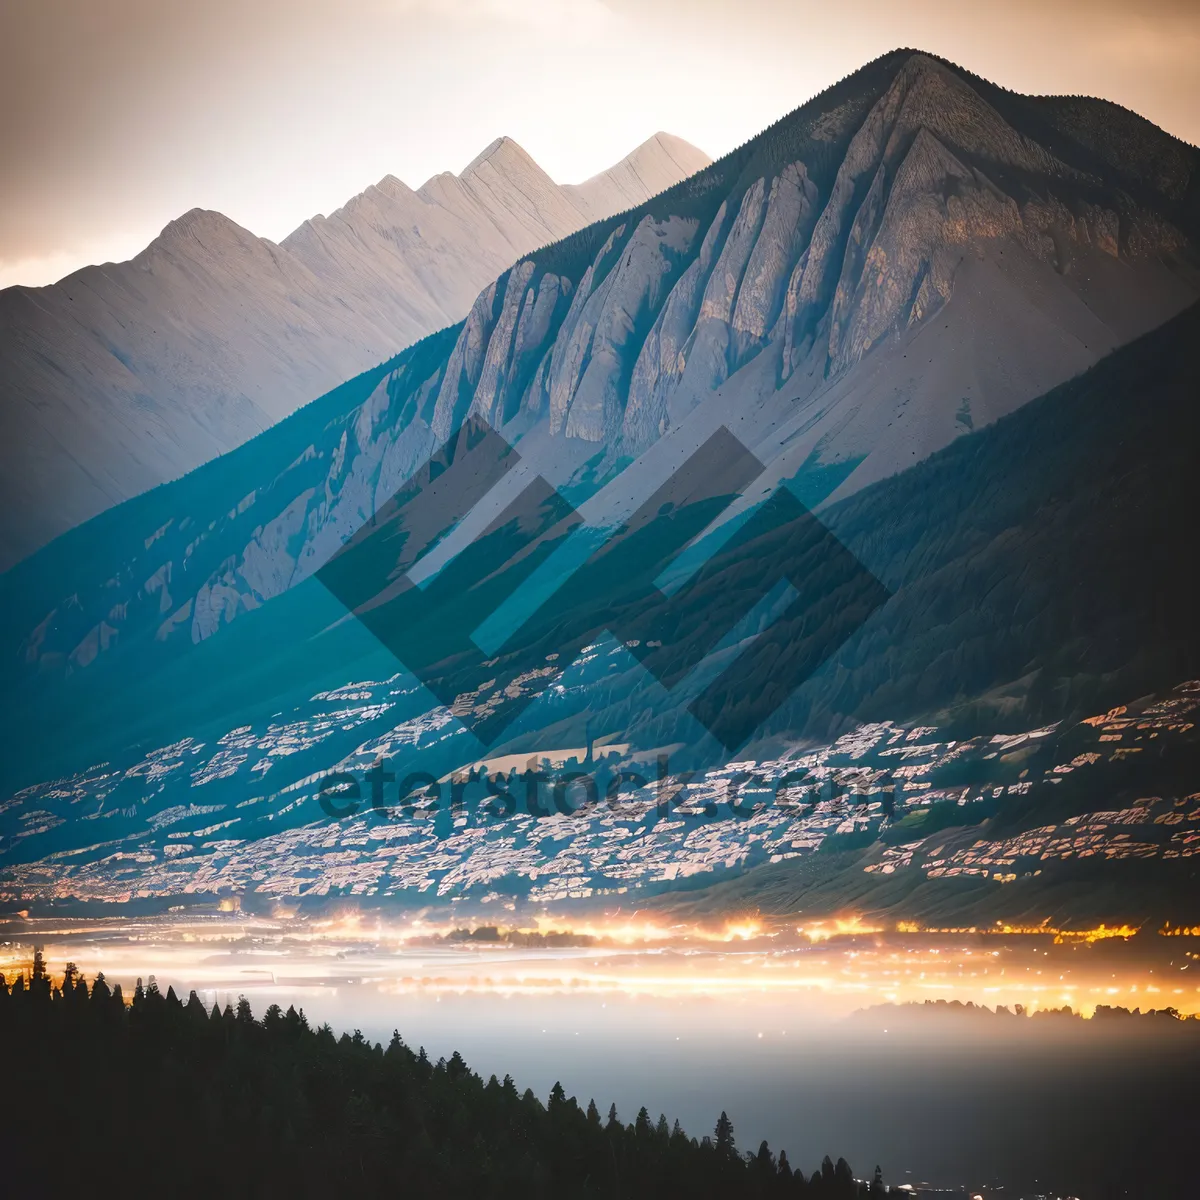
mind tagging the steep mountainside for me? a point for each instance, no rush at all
(888, 270)
(1019, 719)
(125, 375)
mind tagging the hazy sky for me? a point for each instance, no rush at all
(117, 115)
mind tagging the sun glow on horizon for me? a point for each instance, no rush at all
(837, 964)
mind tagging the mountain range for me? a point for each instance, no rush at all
(955, 322)
(124, 376)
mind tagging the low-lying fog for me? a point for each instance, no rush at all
(766, 1034)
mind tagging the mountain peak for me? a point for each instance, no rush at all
(503, 155)
(195, 220)
(200, 226)
(393, 186)
(663, 148)
(661, 161)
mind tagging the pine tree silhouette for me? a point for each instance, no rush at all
(723, 1137)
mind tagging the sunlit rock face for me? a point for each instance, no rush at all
(787, 225)
(466, 363)
(899, 265)
(617, 312)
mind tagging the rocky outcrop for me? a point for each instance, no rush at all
(542, 311)
(487, 394)
(465, 367)
(662, 358)
(791, 213)
(709, 352)
(521, 335)
(810, 289)
(618, 313)
(570, 352)
(900, 260)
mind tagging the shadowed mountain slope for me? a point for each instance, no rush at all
(1035, 588)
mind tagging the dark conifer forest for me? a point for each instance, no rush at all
(104, 1093)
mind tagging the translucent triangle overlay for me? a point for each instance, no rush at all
(429, 627)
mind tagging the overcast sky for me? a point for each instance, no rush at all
(117, 115)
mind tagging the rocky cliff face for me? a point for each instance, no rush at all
(899, 262)
(129, 374)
